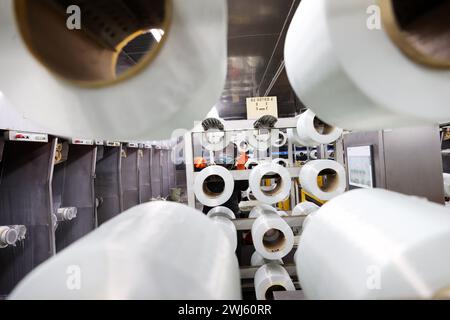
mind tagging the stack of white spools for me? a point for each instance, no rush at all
(370, 244)
(273, 240)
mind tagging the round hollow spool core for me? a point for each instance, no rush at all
(243, 145)
(249, 194)
(258, 260)
(281, 162)
(260, 139)
(66, 214)
(215, 140)
(251, 163)
(221, 212)
(213, 186)
(272, 236)
(95, 78)
(312, 131)
(270, 278)
(420, 29)
(397, 88)
(333, 178)
(282, 180)
(8, 236)
(279, 138)
(96, 53)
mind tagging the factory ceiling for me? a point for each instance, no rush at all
(256, 35)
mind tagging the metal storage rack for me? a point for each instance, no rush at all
(26, 199)
(73, 186)
(244, 224)
(40, 173)
(243, 125)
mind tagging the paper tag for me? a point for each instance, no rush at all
(261, 106)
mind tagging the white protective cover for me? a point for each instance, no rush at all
(281, 192)
(212, 200)
(375, 244)
(310, 172)
(357, 78)
(309, 136)
(271, 274)
(178, 87)
(158, 250)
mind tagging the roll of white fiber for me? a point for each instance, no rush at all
(282, 183)
(337, 45)
(223, 183)
(305, 208)
(269, 278)
(221, 212)
(333, 178)
(375, 244)
(83, 92)
(281, 162)
(447, 184)
(311, 131)
(272, 236)
(132, 257)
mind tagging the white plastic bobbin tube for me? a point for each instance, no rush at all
(279, 138)
(215, 140)
(334, 183)
(210, 176)
(312, 131)
(259, 141)
(282, 179)
(269, 278)
(272, 237)
(8, 236)
(66, 214)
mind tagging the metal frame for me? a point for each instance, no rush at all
(232, 126)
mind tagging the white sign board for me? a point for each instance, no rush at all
(360, 169)
(261, 106)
